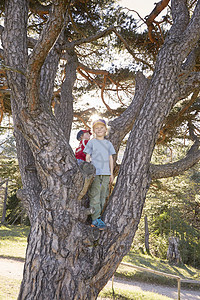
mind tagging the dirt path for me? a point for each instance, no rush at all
(14, 269)
(170, 292)
(11, 268)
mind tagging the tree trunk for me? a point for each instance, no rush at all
(60, 259)
(3, 218)
(173, 254)
(64, 104)
(66, 258)
(146, 234)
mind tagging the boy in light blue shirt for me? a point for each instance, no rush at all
(99, 151)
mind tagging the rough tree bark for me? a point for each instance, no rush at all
(173, 253)
(3, 218)
(66, 258)
(146, 234)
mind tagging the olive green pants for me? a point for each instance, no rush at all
(98, 192)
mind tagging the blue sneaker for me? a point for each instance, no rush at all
(98, 223)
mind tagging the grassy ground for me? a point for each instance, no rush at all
(128, 295)
(9, 288)
(13, 241)
(146, 261)
(154, 263)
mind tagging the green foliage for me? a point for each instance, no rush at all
(176, 123)
(15, 212)
(173, 209)
(8, 149)
(10, 170)
(90, 17)
(160, 245)
(154, 263)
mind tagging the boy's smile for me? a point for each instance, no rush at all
(100, 131)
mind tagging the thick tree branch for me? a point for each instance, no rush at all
(46, 40)
(88, 175)
(1, 53)
(160, 98)
(191, 35)
(180, 17)
(193, 60)
(14, 35)
(64, 105)
(155, 12)
(37, 8)
(30, 194)
(189, 84)
(1, 29)
(48, 73)
(176, 168)
(31, 42)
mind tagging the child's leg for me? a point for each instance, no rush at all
(104, 189)
(80, 161)
(94, 197)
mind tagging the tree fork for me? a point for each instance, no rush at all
(66, 258)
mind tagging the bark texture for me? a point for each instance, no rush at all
(146, 234)
(66, 258)
(64, 103)
(173, 253)
(3, 218)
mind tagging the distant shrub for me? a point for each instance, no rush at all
(15, 212)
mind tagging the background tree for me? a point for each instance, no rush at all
(9, 171)
(65, 257)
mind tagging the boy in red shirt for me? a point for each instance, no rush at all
(83, 136)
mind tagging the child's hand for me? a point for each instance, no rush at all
(111, 178)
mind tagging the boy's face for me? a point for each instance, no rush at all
(100, 130)
(85, 136)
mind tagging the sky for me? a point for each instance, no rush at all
(143, 7)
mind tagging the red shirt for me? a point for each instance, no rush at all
(79, 151)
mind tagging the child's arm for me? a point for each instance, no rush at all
(88, 157)
(111, 168)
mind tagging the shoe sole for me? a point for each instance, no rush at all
(97, 227)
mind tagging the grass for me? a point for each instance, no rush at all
(13, 241)
(128, 295)
(161, 265)
(9, 288)
(146, 261)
